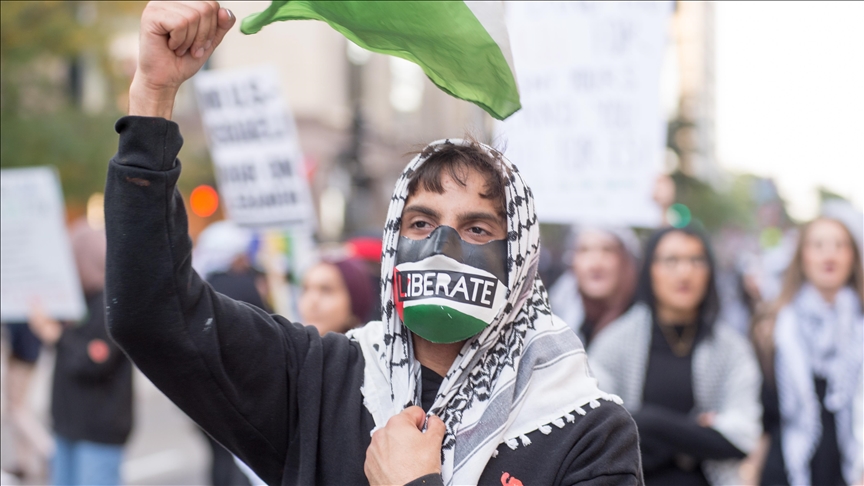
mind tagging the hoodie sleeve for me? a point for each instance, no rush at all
(231, 367)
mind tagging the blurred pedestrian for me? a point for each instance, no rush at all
(368, 249)
(811, 347)
(691, 384)
(600, 283)
(337, 296)
(222, 256)
(31, 443)
(91, 394)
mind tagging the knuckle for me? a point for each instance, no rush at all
(193, 16)
(206, 8)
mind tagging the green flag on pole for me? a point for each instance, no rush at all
(462, 47)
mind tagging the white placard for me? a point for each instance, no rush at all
(36, 262)
(590, 138)
(255, 149)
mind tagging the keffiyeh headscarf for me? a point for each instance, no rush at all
(815, 338)
(526, 371)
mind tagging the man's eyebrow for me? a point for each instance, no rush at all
(481, 216)
(423, 210)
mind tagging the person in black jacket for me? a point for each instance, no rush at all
(91, 395)
(467, 377)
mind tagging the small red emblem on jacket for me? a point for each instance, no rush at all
(508, 480)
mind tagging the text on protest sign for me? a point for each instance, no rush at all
(590, 138)
(36, 262)
(255, 149)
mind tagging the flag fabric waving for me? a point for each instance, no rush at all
(463, 47)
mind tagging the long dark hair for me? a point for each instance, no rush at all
(709, 308)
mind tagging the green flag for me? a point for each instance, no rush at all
(462, 47)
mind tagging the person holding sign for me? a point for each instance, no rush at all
(467, 378)
(91, 394)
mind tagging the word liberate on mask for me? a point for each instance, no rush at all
(447, 290)
(459, 287)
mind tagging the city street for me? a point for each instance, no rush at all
(165, 447)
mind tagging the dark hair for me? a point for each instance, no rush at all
(709, 308)
(456, 160)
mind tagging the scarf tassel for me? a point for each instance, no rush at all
(610, 397)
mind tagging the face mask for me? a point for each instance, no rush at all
(447, 290)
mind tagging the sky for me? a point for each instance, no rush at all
(790, 96)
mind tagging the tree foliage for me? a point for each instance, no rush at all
(42, 123)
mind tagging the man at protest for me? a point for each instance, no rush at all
(466, 331)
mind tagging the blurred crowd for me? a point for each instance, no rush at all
(769, 394)
(741, 362)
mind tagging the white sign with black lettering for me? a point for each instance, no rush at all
(36, 262)
(590, 137)
(255, 149)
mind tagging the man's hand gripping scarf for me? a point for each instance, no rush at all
(525, 371)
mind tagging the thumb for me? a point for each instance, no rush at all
(415, 415)
(435, 428)
(225, 20)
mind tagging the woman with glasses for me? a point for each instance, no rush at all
(691, 385)
(810, 346)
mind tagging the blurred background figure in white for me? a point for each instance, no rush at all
(811, 348)
(600, 282)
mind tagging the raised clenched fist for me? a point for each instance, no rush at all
(176, 39)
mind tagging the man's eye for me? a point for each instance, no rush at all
(478, 230)
(420, 225)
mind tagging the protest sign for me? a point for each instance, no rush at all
(590, 138)
(255, 149)
(36, 262)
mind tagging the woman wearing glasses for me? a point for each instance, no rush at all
(691, 385)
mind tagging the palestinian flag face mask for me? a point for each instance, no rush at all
(447, 290)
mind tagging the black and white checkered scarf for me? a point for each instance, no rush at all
(485, 399)
(813, 338)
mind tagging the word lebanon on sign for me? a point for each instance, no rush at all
(255, 149)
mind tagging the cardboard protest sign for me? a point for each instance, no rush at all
(590, 138)
(36, 262)
(255, 149)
